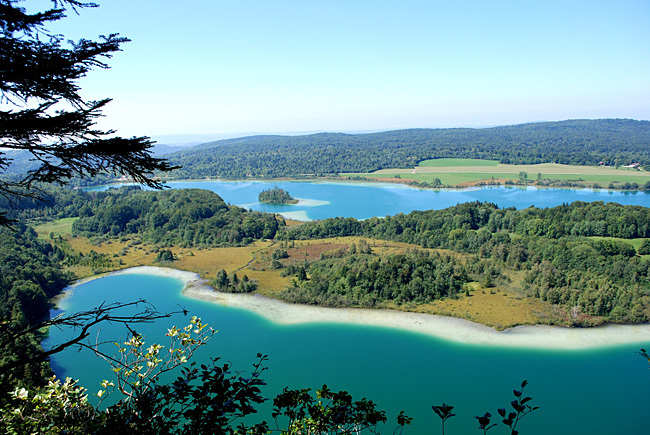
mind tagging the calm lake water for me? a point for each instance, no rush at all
(596, 391)
(365, 200)
(600, 391)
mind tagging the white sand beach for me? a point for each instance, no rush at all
(448, 328)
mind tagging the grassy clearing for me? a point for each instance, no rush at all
(459, 172)
(207, 262)
(499, 308)
(60, 227)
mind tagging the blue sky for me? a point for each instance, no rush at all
(239, 67)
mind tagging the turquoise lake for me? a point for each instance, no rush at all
(601, 391)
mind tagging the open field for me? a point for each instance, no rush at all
(60, 227)
(500, 307)
(454, 172)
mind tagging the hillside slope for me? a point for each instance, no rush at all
(582, 142)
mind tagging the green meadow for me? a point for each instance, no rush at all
(59, 227)
(455, 172)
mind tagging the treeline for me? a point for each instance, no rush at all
(440, 228)
(597, 277)
(30, 275)
(579, 142)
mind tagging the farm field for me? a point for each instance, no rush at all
(455, 172)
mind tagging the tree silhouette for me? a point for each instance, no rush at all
(42, 112)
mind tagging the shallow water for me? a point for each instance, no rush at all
(602, 391)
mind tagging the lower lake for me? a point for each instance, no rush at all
(597, 391)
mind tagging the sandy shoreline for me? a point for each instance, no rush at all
(448, 328)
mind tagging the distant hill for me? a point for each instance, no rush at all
(23, 161)
(163, 149)
(581, 142)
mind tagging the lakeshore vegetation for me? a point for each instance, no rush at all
(576, 264)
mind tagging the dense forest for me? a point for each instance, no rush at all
(562, 261)
(578, 142)
(183, 218)
(356, 278)
(30, 275)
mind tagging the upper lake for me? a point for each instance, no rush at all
(322, 200)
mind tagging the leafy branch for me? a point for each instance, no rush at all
(512, 419)
(81, 322)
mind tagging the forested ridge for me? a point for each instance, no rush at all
(577, 142)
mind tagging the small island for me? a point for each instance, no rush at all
(276, 196)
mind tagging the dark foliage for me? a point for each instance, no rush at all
(30, 276)
(232, 283)
(182, 218)
(209, 399)
(45, 115)
(165, 256)
(365, 280)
